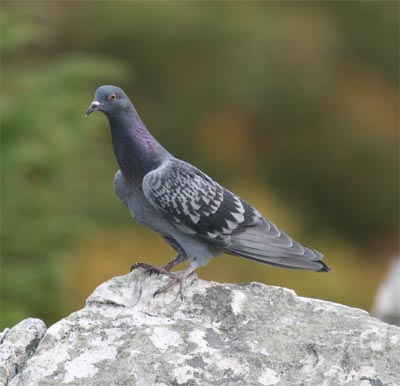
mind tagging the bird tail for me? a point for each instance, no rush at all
(267, 244)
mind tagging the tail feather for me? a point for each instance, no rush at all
(282, 240)
(324, 268)
(276, 249)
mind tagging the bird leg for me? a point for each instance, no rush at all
(180, 277)
(171, 264)
(165, 269)
(153, 269)
(175, 278)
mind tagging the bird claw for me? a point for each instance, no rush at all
(153, 269)
(173, 281)
(178, 278)
(174, 277)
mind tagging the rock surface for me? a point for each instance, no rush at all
(221, 334)
(17, 345)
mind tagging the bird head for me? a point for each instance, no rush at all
(109, 100)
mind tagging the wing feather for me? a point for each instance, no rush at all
(186, 196)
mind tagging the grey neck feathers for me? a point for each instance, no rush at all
(136, 150)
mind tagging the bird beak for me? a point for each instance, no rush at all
(93, 107)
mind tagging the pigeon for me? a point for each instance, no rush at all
(195, 215)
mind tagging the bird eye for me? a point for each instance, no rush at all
(112, 97)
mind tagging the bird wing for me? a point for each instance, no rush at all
(196, 204)
(191, 200)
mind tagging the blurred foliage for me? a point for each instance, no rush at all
(294, 106)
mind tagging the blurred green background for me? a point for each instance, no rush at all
(292, 105)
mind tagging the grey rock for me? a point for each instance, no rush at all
(17, 345)
(221, 334)
(387, 300)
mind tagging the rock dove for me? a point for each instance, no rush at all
(194, 214)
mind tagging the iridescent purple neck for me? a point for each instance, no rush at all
(147, 141)
(136, 150)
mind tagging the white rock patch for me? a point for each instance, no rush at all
(238, 300)
(183, 374)
(163, 338)
(269, 377)
(84, 366)
(198, 337)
